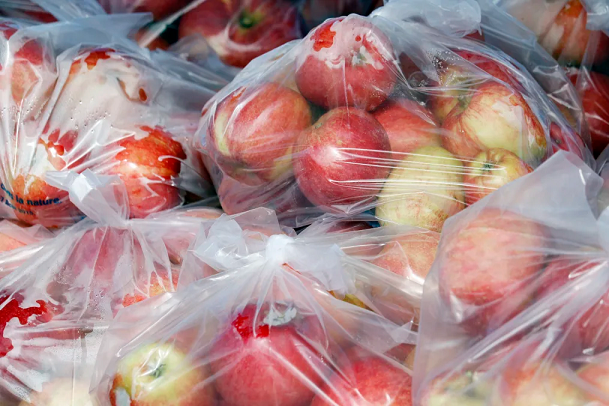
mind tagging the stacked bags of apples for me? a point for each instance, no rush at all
(268, 328)
(394, 113)
(56, 305)
(575, 32)
(515, 307)
(76, 97)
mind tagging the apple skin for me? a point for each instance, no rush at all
(408, 125)
(567, 38)
(259, 360)
(61, 392)
(490, 170)
(147, 166)
(594, 92)
(567, 140)
(589, 333)
(423, 190)
(344, 146)
(160, 375)
(371, 381)
(159, 8)
(240, 31)
(494, 116)
(8, 243)
(596, 374)
(254, 130)
(346, 61)
(484, 278)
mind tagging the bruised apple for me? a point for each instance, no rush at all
(147, 164)
(266, 357)
(371, 381)
(487, 265)
(408, 125)
(341, 159)
(346, 61)
(160, 374)
(494, 116)
(254, 129)
(423, 190)
(490, 170)
(241, 30)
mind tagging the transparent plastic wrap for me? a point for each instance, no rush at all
(14, 235)
(76, 97)
(576, 33)
(515, 307)
(56, 305)
(264, 331)
(393, 113)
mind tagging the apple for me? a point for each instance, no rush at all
(342, 160)
(459, 81)
(160, 374)
(593, 89)
(346, 61)
(596, 373)
(566, 140)
(490, 170)
(156, 283)
(241, 30)
(487, 265)
(457, 389)
(589, 333)
(423, 190)
(155, 43)
(266, 356)
(408, 125)
(147, 164)
(159, 8)
(61, 392)
(494, 116)
(254, 129)
(371, 381)
(8, 243)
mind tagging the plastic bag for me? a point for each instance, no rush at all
(383, 113)
(57, 304)
(15, 235)
(80, 98)
(514, 308)
(576, 33)
(265, 331)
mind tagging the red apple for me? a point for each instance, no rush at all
(370, 381)
(346, 61)
(593, 89)
(266, 357)
(161, 374)
(589, 333)
(342, 159)
(253, 132)
(159, 8)
(241, 30)
(155, 43)
(61, 392)
(494, 116)
(408, 125)
(566, 140)
(596, 373)
(147, 167)
(8, 243)
(487, 265)
(490, 170)
(156, 283)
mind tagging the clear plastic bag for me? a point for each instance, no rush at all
(393, 112)
(77, 97)
(264, 331)
(14, 235)
(514, 308)
(60, 298)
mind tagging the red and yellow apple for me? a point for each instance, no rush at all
(423, 190)
(341, 160)
(490, 170)
(346, 61)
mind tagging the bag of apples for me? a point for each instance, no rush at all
(394, 113)
(515, 307)
(263, 331)
(78, 97)
(576, 33)
(56, 303)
